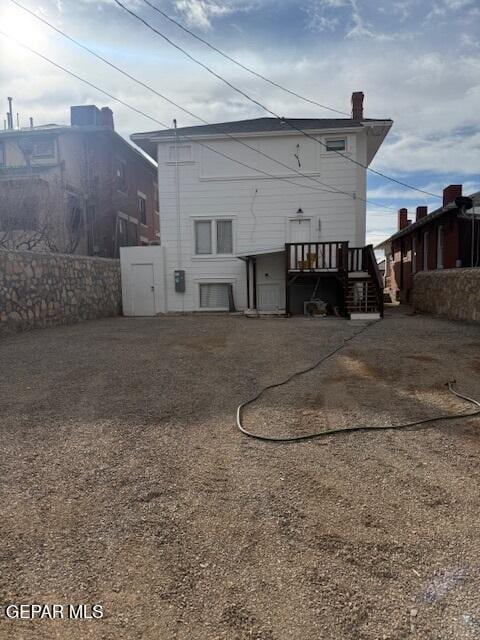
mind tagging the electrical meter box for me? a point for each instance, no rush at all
(179, 281)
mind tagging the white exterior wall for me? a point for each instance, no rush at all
(211, 186)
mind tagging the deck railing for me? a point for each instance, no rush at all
(317, 256)
(357, 259)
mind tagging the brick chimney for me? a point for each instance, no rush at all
(106, 118)
(402, 219)
(451, 192)
(422, 212)
(357, 105)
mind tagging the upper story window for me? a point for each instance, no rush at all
(213, 237)
(43, 148)
(142, 209)
(180, 153)
(155, 196)
(336, 144)
(2, 154)
(121, 175)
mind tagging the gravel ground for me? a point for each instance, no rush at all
(125, 483)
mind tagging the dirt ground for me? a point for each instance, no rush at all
(125, 483)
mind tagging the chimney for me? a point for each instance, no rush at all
(402, 219)
(451, 192)
(10, 114)
(422, 212)
(85, 115)
(357, 105)
(106, 118)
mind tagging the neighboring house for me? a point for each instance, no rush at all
(237, 238)
(446, 238)
(76, 189)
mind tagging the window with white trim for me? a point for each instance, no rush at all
(214, 295)
(335, 144)
(425, 251)
(180, 153)
(43, 148)
(440, 247)
(213, 237)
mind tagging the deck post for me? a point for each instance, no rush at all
(287, 288)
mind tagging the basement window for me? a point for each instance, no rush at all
(214, 296)
(337, 144)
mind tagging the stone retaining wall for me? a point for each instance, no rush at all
(44, 289)
(452, 293)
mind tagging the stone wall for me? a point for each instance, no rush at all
(451, 293)
(44, 289)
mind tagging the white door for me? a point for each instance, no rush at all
(143, 290)
(268, 297)
(300, 230)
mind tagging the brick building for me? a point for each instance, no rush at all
(446, 238)
(79, 189)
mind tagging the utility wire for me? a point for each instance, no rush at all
(331, 188)
(149, 117)
(265, 108)
(239, 64)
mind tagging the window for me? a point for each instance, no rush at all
(210, 234)
(336, 145)
(224, 236)
(142, 208)
(425, 251)
(414, 255)
(440, 242)
(180, 152)
(121, 177)
(203, 237)
(2, 155)
(43, 148)
(214, 296)
(155, 196)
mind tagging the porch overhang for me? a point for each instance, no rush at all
(259, 252)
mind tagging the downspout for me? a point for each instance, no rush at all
(177, 199)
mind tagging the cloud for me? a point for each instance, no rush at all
(199, 13)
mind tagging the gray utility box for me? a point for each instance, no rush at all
(179, 281)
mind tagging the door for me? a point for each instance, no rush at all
(268, 297)
(143, 290)
(300, 230)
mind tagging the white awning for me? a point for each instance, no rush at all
(260, 252)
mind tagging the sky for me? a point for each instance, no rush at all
(417, 61)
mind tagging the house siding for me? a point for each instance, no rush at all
(260, 208)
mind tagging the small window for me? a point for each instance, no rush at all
(180, 153)
(43, 148)
(203, 237)
(440, 246)
(2, 155)
(142, 208)
(122, 226)
(121, 177)
(414, 255)
(224, 236)
(336, 145)
(155, 196)
(425, 251)
(214, 296)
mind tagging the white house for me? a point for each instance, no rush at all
(233, 196)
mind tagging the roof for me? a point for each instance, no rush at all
(147, 140)
(260, 252)
(427, 219)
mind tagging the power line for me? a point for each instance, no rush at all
(240, 64)
(331, 189)
(262, 106)
(149, 117)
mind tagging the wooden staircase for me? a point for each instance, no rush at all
(363, 286)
